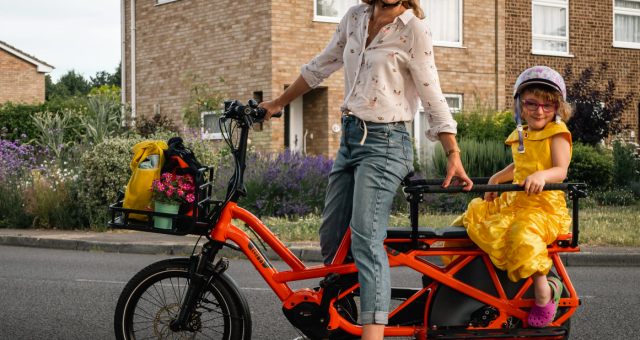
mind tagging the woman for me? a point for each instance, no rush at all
(387, 54)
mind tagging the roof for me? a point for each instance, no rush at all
(42, 66)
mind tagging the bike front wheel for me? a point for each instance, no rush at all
(153, 298)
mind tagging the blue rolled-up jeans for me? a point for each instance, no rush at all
(362, 185)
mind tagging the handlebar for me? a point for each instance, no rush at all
(235, 110)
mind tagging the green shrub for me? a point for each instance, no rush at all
(590, 165)
(615, 197)
(634, 187)
(16, 117)
(106, 170)
(12, 208)
(625, 164)
(480, 158)
(490, 126)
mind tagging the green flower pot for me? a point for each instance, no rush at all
(167, 208)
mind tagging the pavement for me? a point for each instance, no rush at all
(133, 242)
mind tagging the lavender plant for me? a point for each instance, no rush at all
(17, 159)
(280, 184)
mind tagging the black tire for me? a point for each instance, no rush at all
(153, 297)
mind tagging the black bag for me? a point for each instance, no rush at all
(180, 160)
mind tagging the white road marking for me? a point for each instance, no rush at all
(101, 281)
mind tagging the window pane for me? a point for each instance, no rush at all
(454, 104)
(443, 17)
(334, 8)
(211, 124)
(628, 4)
(627, 28)
(550, 21)
(549, 45)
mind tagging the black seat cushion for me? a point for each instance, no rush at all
(453, 232)
(405, 232)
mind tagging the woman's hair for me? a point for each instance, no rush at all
(546, 94)
(409, 4)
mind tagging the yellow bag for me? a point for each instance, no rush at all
(138, 195)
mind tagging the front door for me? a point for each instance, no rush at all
(294, 138)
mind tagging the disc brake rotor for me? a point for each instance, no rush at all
(163, 319)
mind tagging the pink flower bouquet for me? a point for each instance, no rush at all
(173, 189)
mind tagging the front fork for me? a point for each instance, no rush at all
(197, 283)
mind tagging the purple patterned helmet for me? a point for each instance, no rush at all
(536, 75)
(540, 75)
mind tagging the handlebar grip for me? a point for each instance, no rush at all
(262, 112)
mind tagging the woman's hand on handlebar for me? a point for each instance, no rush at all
(272, 108)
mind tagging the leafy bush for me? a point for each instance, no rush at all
(634, 187)
(52, 129)
(106, 170)
(104, 117)
(279, 184)
(615, 197)
(147, 127)
(17, 117)
(590, 165)
(201, 99)
(625, 164)
(492, 126)
(598, 113)
(480, 158)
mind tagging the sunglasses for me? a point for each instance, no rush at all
(546, 107)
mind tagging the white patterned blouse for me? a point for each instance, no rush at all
(385, 81)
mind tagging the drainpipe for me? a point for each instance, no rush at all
(133, 58)
(123, 55)
(496, 52)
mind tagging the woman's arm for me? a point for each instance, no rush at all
(561, 156)
(317, 70)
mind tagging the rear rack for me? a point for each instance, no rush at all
(180, 224)
(417, 188)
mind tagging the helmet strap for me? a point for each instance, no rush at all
(558, 119)
(519, 124)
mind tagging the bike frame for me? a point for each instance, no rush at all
(224, 230)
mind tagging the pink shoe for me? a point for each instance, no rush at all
(542, 316)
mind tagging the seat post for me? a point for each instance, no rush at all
(414, 201)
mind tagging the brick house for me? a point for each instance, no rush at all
(21, 75)
(258, 47)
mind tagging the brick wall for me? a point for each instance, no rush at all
(224, 38)
(590, 42)
(19, 80)
(471, 70)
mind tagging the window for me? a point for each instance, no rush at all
(331, 10)
(161, 2)
(550, 27)
(626, 23)
(210, 125)
(454, 101)
(444, 17)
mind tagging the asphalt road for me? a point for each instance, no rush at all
(64, 294)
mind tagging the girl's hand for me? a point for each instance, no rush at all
(272, 108)
(490, 196)
(534, 183)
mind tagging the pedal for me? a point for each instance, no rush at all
(483, 316)
(461, 334)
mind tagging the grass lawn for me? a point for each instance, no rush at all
(599, 226)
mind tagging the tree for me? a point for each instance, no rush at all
(597, 112)
(105, 78)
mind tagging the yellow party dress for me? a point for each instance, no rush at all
(515, 229)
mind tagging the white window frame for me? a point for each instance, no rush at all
(162, 2)
(460, 26)
(551, 3)
(210, 135)
(323, 18)
(457, 96)
(625, 11)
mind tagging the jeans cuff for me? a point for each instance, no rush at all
(378, 318)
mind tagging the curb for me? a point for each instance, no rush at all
(304, 254)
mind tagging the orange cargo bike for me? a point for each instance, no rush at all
(193, 297)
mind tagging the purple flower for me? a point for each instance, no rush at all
(88, 179)
(23, 136)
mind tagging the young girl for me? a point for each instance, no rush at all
(516, 227)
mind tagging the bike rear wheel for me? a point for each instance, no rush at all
(154, 296)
